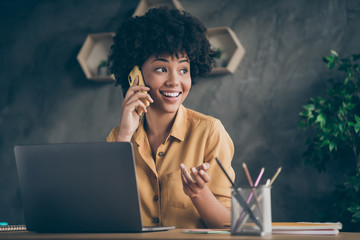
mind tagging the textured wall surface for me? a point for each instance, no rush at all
(45, 97)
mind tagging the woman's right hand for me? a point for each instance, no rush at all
(129, 115)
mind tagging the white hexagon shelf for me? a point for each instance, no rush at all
(224, 41)
(94, 54)
(145, 5)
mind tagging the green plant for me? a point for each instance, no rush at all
(103, 63)
(218, 53)
(334, 125)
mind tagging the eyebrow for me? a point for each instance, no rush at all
(165, 60)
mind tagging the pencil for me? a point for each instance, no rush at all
(275, 176)
(247, 174)
(252, 192)
(239, 198)
(259, 177)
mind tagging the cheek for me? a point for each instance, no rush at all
(187, 85)
(151, 81)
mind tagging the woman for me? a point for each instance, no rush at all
(175, 147)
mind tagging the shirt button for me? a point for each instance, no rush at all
(155, 220)
(160, 154)
(156, 198)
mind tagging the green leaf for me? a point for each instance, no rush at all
(355, 57)
(333, 53)
(340, 127)
(309, 107)
(330, 58)
(346, 80)
(357, 129)
(321, 120)
(331, 65)
(356, 217)
(332, 145)
(353, 209)
(325, 142)
(357, 118)
(351, 106)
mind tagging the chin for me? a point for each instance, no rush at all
(169, 108)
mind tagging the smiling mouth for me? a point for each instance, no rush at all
(170, 94)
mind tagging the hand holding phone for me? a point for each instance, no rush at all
(132, 75)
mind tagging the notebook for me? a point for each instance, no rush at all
(10, 228)
(81, 187)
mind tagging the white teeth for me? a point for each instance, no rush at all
(171, 94)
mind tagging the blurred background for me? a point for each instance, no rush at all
(45, 96)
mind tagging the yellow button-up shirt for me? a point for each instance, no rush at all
(194, 139)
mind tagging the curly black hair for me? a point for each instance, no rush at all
(160, 30)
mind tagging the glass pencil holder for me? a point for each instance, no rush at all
(251, 211)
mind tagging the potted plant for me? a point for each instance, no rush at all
(103, 68)
(220, 59)
(334, 125)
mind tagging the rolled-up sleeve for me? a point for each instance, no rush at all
(220, 145)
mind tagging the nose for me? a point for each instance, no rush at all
(173, 79)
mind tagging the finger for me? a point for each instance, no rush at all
(136, 105)
(186, 186)
(187, 176)
(136, 92)
(205, 177)
(183, 179)
(203, 166)
(136, 89)
(192, 182)
(199, 181)
(137, 96)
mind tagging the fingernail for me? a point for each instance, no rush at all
(193, 170)
(202, 172)
(206, 165)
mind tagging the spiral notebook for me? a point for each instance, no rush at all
(8, 228)
(80, 187)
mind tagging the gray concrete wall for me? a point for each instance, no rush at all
(45, 97)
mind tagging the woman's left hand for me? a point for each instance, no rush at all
(196, 181)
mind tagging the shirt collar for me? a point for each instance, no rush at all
(177, 130)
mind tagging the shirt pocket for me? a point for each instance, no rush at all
(174, 191)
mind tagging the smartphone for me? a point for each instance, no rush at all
(132, 75)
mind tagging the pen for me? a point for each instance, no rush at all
(240, 198)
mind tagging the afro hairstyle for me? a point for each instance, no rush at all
(160, 31)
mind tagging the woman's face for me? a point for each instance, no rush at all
(168, 78)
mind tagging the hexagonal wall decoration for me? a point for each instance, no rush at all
(93, 56)
(228, 48)
(145, 5)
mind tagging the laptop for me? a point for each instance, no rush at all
(80, 187)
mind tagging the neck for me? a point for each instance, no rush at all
(159, 124)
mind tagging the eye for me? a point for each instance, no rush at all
(160, 69)
(183, 71)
